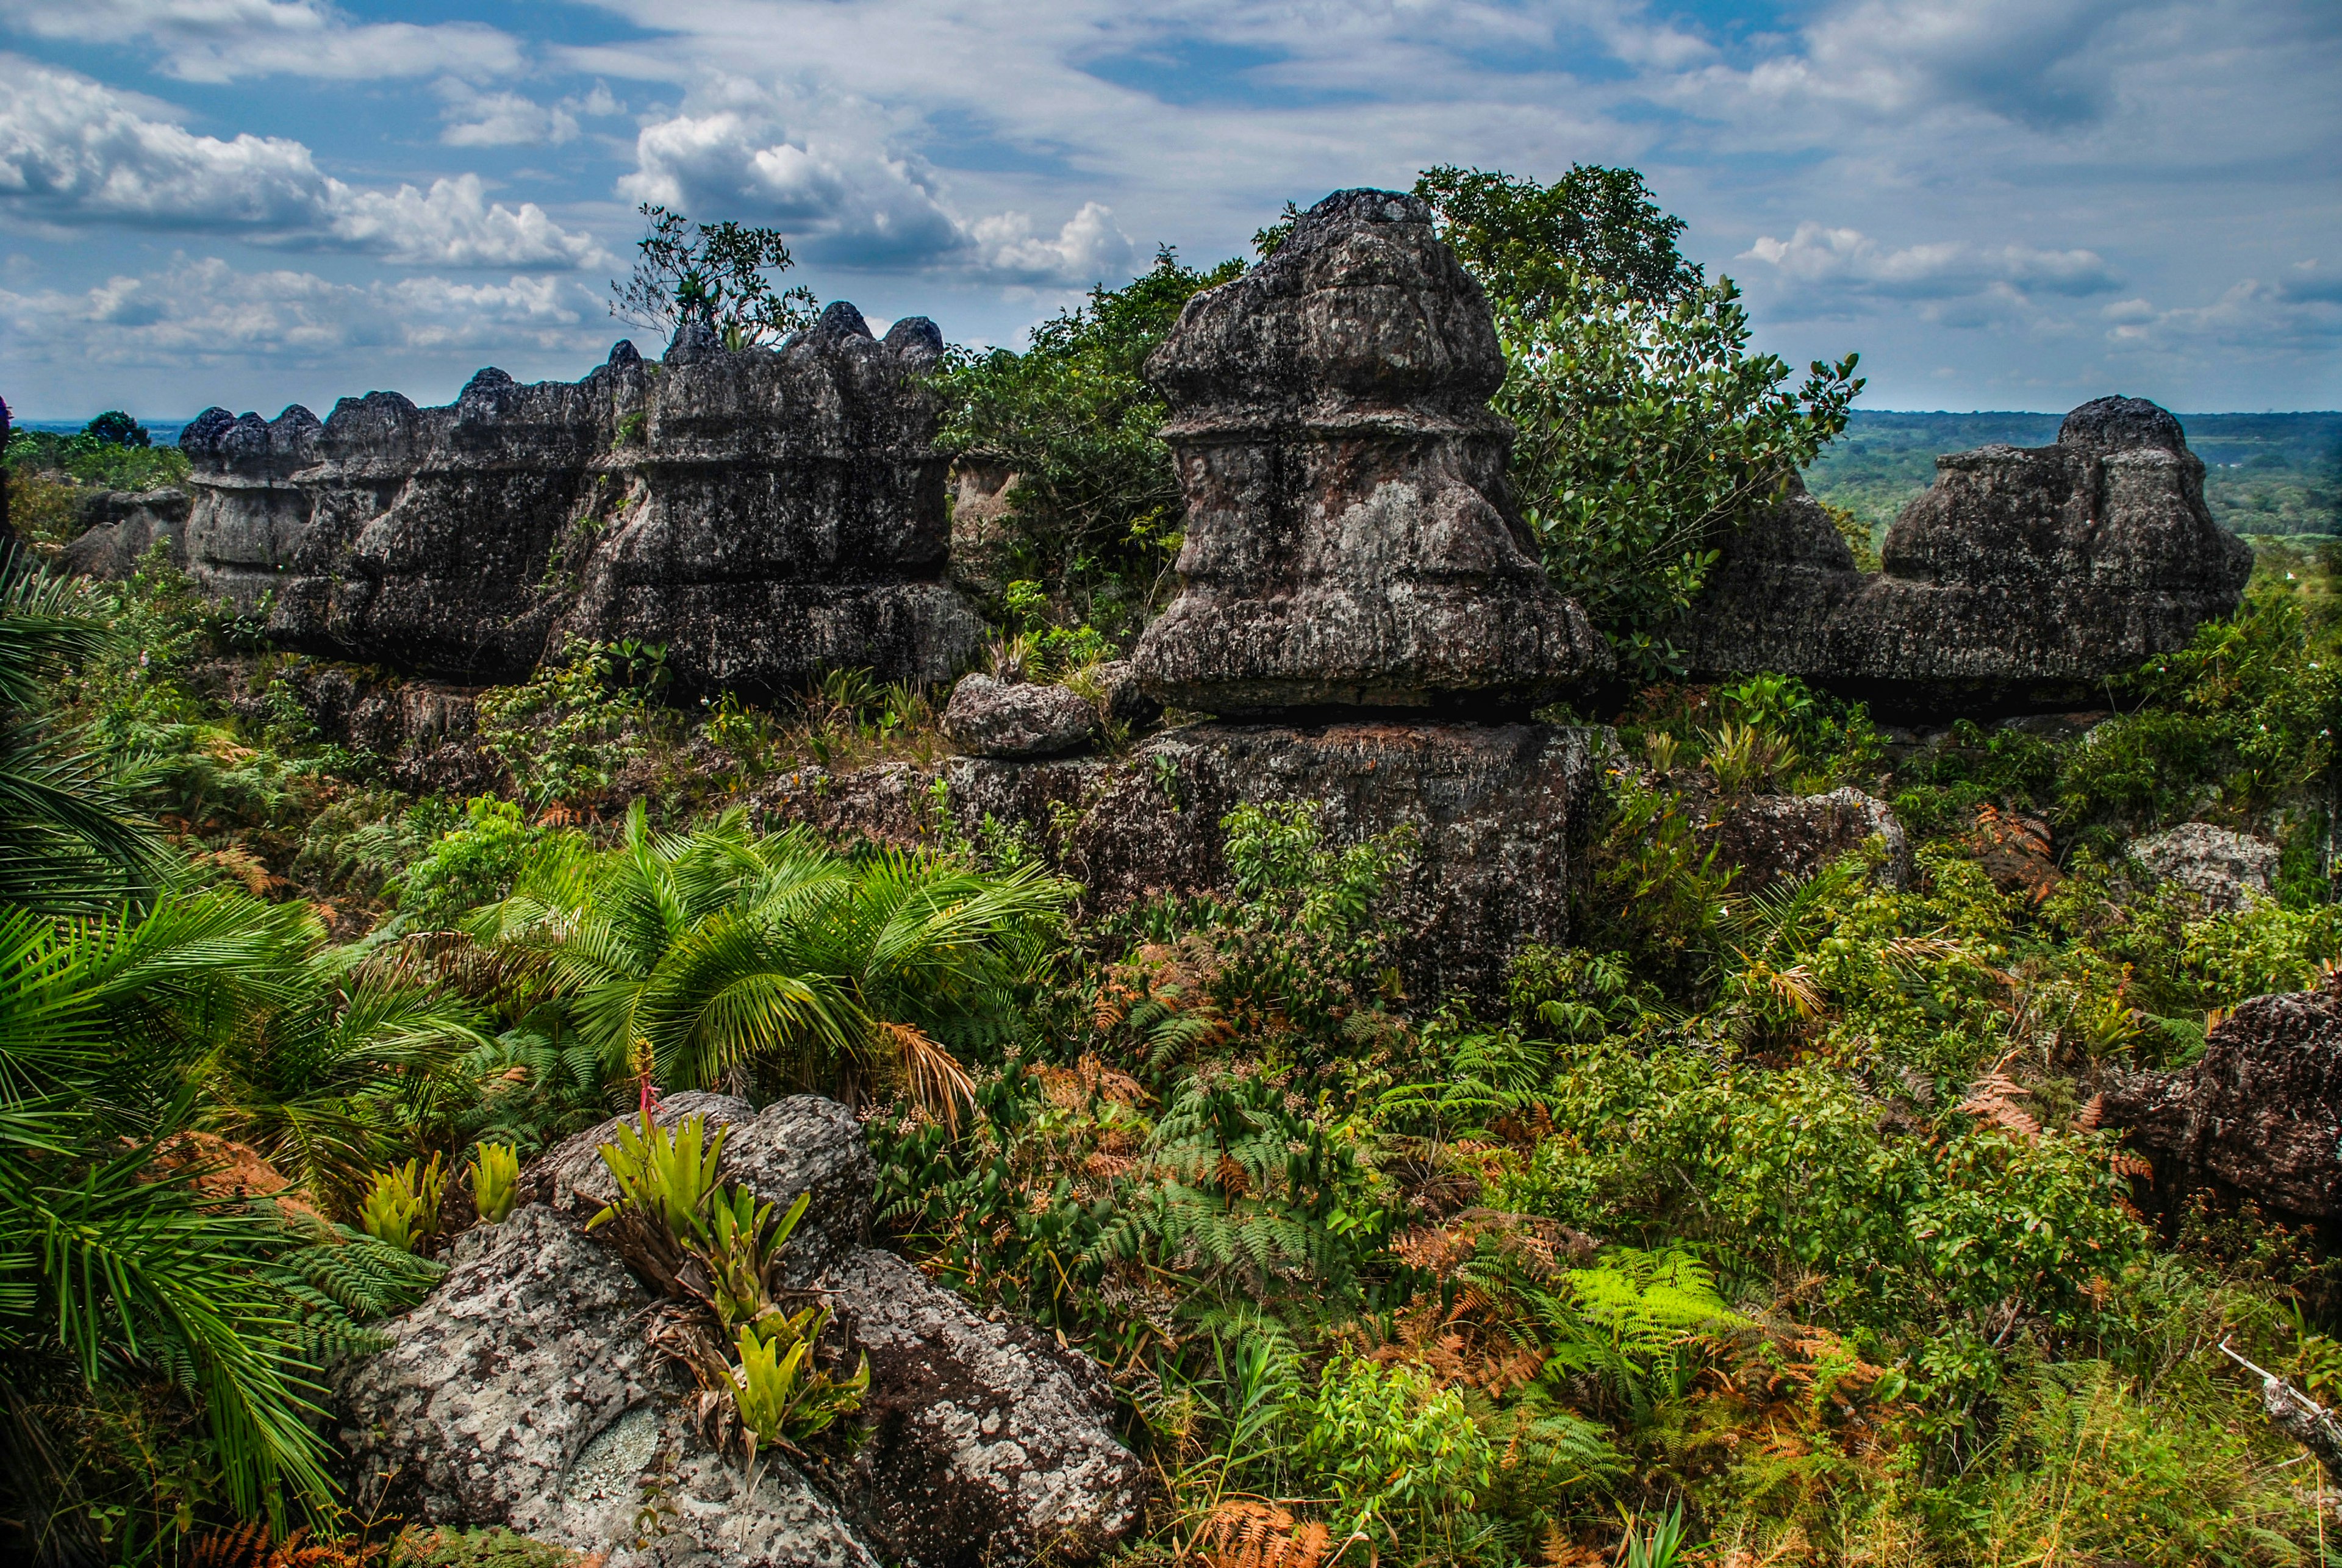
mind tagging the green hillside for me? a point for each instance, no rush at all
(2265, 472)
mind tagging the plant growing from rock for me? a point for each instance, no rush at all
(496, 1179)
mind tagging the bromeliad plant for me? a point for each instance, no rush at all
(721, 1247)
(495, 1181)
(403, 1209)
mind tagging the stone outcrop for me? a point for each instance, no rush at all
(989, 718)
(2222, 869)
(1350, 540)
(1502, 813)
(2259, 1114)
(766, 514)
(523, 1392)
(120, 526)
(2022, 577)
(993, 1445)
(424, 734)
(1786, 838)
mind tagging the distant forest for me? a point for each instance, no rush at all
(2265, 472)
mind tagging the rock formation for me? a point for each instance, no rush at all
(766, 514)
(1787, 837)
(523, 1391)
(2022, 577)
(2222, 869)
(1350, 539)
(1502, 813)
(989, 718)
(2259, 1113)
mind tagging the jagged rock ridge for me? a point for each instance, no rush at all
(766, 514)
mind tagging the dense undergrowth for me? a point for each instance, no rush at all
(1772, 1222)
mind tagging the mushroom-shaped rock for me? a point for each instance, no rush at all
(522, 1393)
(989, 718)
(2021, 578)
(993, 1443)
(1350, 541)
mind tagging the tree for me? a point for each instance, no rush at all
(122, 1258)
(1096, 506)
(1647, 431)
(114, 428)
(1524, 240)
(723, 958)
(712, 272)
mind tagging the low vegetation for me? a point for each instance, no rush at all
(1769, 1225)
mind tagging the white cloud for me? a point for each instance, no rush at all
(202, 311)
(1088, 246)
(73, 150)
(822, 168)
(1828, 262)
(228, 40)
(471, 118)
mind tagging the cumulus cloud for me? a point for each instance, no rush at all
(825, 173)
(228, 40)
(73, 150)
(1824, 263)
(470, 118)
(203, 311)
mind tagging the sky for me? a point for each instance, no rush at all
(2000, 204)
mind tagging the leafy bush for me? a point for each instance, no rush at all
(565, 732)
(1096, 508)
(1647, 430)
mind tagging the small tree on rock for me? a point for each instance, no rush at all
(720, 274)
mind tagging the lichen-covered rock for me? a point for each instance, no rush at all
(2022, 577)
(989, 718)
(522, 1393)
(992, 1442)
(2224, 869)
(1786, 838)
(1122, 696)
(2259, 1113)
(765, 514)
(802, 1145)
(424, 733)
(1350, 540)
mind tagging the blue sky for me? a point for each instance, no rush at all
(2001, 204)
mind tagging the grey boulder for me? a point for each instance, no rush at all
(989, 718)
(2224, 869)
(522, 1393)
(993, 1442)
(1787, 837)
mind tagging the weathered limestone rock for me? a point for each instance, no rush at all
(1785, 838)
(120, 526)
(1502, 812)
(426, 734)
(802, 1145)
(2022, 577)
(248, 516)
(989, 718)
(522, 1393)
(2260, 1112)
(991, 1444)
(766, 514)
(1350, 539)
(2225, 869)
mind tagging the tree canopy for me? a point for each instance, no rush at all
(721, 274)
